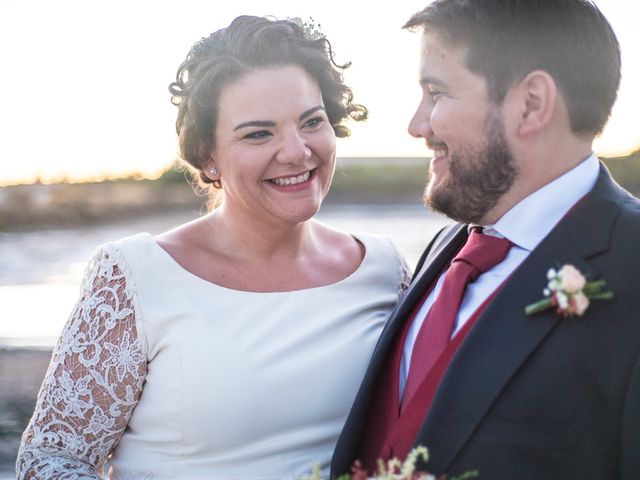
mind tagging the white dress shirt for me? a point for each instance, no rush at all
(525, 225)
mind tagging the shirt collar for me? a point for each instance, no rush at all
(530, 220)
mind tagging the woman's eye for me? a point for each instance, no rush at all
(313, 122)
(258, 135)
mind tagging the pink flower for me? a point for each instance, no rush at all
(569, 292)
(579, 303)
(571, 280)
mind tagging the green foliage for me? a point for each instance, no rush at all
(403, 180)
(176, 173)
(382, 182)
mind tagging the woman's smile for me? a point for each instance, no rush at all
(293, 183)
(275, 147)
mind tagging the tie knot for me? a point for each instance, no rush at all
(483, 251)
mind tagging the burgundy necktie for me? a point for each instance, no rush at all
(479, 254)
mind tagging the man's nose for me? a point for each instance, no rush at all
(420, 124)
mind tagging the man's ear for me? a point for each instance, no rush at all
(537, 97)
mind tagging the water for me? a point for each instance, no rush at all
(40, 271)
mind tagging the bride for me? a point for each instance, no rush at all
(231, 346)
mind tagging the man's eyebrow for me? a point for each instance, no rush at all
(430, 80)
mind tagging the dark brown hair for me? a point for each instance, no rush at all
(247, 44)
(507, 39)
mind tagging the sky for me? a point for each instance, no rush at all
(84, 82)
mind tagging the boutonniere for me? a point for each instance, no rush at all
(569, 292)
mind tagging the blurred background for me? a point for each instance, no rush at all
(88, 145)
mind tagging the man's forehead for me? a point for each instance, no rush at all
(440, 44)
(437, 51)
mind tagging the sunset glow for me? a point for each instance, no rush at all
(85, 83)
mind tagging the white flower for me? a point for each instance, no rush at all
(68, 393)
(126, 357)
(563, 300)
(73, 442)
(100, 421)
(554, 285)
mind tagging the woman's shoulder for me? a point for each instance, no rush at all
(384, 252)
(377, 247)
(341, 238)
(379, 243)
(382, 259)
(132, 244)
(128, 255)
(136, 247)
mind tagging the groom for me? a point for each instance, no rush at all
(514, 92)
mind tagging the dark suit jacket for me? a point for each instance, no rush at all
(535, 397)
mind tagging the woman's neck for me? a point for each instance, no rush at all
(261, 240)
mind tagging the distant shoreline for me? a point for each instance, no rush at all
(372, 181)
(35, 207)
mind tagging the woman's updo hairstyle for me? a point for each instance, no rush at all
(247, 44)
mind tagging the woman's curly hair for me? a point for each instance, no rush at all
(247, 44)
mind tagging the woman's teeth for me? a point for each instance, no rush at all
(292, 180)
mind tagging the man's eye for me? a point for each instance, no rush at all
(434, 94)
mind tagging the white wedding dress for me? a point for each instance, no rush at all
(160, 374)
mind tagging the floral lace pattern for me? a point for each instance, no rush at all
(93, 382)
(404, 272)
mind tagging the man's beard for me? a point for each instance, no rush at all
(477, 179)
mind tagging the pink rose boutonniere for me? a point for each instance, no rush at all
(569, 292)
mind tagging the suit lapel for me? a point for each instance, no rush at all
(504, 336)
(439, 254)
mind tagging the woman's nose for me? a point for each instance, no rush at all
(293, 149)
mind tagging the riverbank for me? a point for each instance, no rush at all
(366, 181)
(38, 206)
(35, 207)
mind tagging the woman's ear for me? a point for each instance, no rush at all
(207, 162)
(210, 169)
(537, 95)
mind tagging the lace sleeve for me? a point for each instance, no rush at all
(93, 382)
(404, 272)
(405, 276)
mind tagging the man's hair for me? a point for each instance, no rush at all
(507, 39)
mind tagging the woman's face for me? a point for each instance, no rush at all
(274, 146)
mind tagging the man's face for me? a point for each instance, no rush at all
(473, 165)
